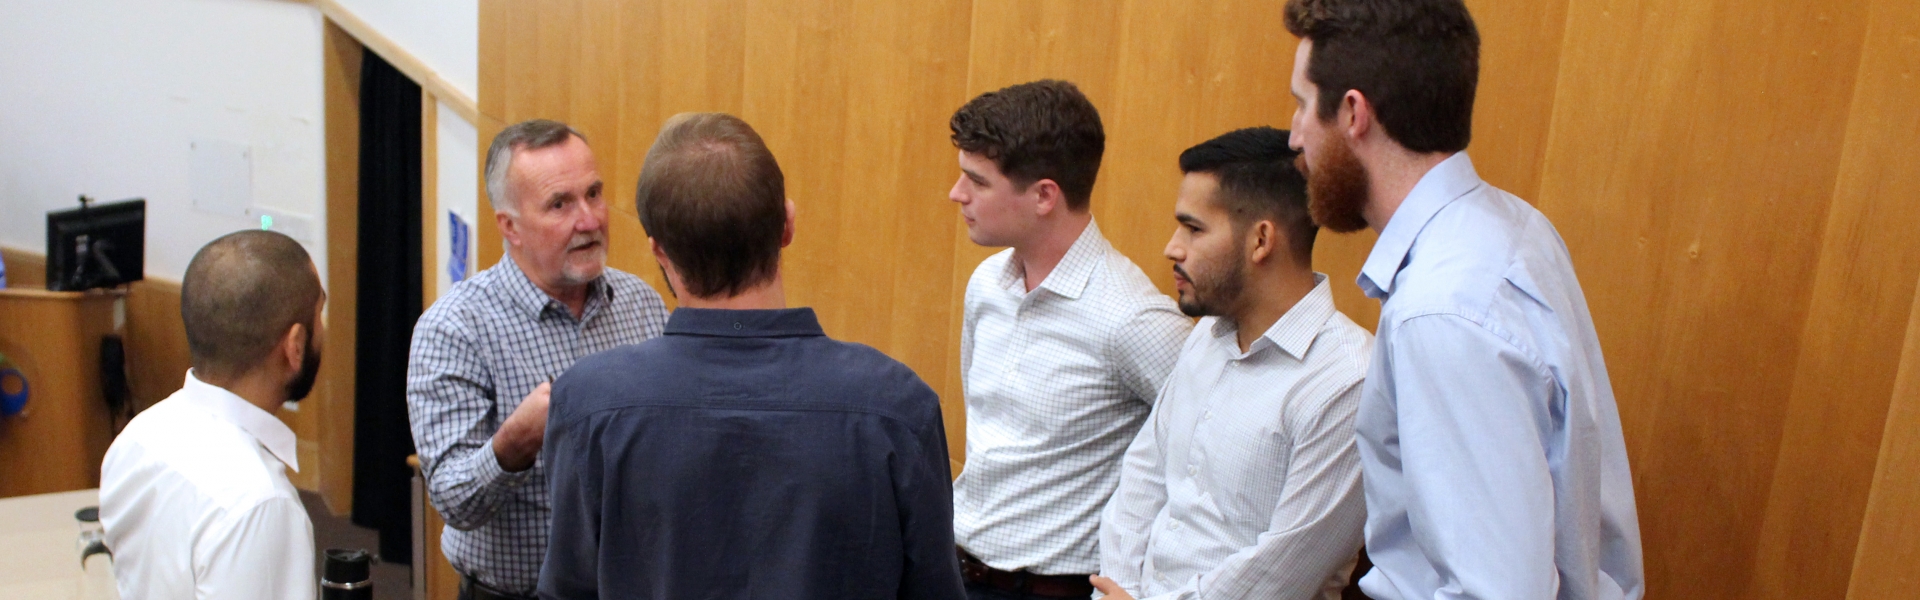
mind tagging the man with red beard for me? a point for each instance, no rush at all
(1489, 440)
(1244, 481)
(483, 356)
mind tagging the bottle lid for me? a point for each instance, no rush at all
(347, 566)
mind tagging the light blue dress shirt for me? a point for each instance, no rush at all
(1489, 441)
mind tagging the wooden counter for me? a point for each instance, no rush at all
(57, 442)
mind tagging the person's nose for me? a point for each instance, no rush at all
(591, 217)
(956, 193)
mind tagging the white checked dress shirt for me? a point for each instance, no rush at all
(476, 354)
(1057, 382)
(1244, 483)
(195, 501)
(1494, 461)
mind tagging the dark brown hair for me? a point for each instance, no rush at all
(241, 293)
(713, 196)
(1258, 181)
(1045, 129)
(1416, 61)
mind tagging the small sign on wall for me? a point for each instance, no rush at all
(458, 235)
(221, 177)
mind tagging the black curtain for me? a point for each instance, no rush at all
(389, 303)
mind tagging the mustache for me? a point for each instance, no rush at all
(582, 240)
(1181, 272)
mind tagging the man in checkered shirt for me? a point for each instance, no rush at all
(483, 356)
(1064, 345)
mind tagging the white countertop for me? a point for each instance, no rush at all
(39, 549)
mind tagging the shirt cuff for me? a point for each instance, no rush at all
(489, 473)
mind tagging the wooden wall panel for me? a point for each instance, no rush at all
(1851, 342)
(25, 268)
(1693, 152)
(1739, 213)
(1886, 563)
(156, 341)
(1519, 66)
(1877, 175)
(331, 402)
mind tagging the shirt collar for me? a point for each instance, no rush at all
(1069, 278)
(224, 405)
(1295, 331)
(535, 301)
(1447, 181)
(785, 322)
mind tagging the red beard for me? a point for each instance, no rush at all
(1337, 188)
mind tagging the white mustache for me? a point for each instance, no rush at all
(583, 240)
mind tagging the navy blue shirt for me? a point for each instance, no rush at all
(744, 454)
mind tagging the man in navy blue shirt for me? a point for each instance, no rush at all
(743, 454)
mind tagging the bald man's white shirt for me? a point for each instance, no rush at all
(195, 501)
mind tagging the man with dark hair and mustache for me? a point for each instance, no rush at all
(1244, 481)
(194, 494)
(484, 355)
(1491, 446)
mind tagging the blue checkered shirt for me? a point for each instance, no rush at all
(476, 353)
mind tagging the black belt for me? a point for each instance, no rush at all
(1023, 582)
(480, 591)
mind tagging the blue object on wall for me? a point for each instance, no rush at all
(13, 389)
(457, 246)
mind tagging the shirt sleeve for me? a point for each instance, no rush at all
(923, 488)
(1316, 524)
(1474, 419)
(451, 404)
(572, 566)
(260, 551)
(1141, 352)
(1131, 510)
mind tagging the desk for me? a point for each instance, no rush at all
(39, 556)
(57, 444)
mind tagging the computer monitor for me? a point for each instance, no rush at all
(97, 245)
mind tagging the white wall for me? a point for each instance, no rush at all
(444, 34)
(103, 97)
(459, 181)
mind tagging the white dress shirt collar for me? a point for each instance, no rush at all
(227, 406)
(1069, 278)
(1450, 179)
(1295, 330)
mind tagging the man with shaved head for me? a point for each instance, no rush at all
(484, 354)
(194, 493)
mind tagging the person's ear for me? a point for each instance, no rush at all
(1263, 239)
(786, 235)
(508, 230)
(1356, 117)
(292, 349)
(1047, 197)
(667, 269)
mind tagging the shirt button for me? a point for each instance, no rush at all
(1173, 526)
(1208, 416)
(1193, 470)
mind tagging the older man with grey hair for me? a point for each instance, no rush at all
(483, 356)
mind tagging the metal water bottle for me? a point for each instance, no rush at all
(348, 575)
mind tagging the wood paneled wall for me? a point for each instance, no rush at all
(1733, 180)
